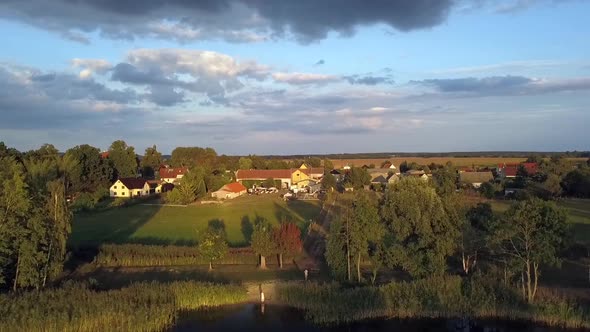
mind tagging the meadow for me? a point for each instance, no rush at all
(165, 225)
(578, 216)
(457, 161)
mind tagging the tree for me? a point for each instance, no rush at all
(151, 161)
(262, 242)
(313, 162)
(420, 235)
(92, 171)
(328, 181)
(194, 156)
(403, 167)
(190, 188)
(336, 253)
(288, 241)
(358, 177)
(213, 246)
(445, 180)
(474, 235)
(552, 185)
(59, 227)
(577, 182)
(530, 234)
(487, 190)
(365, 228)
(123, 158)
(245, 163)
(328, 165)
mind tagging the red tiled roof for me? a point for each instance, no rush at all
(512, 168)
(133, 183)
(172, 173)
(104, 154)
(234, 187)
(263, 174)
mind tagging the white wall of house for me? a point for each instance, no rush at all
(118, 189)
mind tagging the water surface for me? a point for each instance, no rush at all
(251, 317)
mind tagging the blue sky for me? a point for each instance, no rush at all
(300, 77)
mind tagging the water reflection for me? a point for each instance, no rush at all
(265, 317)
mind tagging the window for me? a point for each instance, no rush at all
(114, 187)
(123, 194)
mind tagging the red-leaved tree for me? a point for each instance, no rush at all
(288, 241)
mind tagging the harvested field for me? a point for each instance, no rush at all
(457, 161)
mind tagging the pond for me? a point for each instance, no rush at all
(251, 317)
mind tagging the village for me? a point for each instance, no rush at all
(305, 182)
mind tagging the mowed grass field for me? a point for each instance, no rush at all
(150, 224)
(579, 216)
(457, 161)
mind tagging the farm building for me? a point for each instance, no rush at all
(299, 177)
(475, 178)
(229, 191)
(172, 175)
(130, 187)
(417, 173)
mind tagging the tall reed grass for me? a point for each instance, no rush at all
(113, 255)
(436, 297)
(139, 307)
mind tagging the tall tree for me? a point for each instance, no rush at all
(59, 224)
(420, 234)
(287, 238)
(328, 181)
(262, 242)
(151, 161)
(530, 234)
(474, 234)
(92, 171)
(338, 246)
(123, 158)
(445, 180)
(245, 163)
(365, 228)
(213, 246)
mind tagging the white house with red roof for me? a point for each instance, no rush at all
(172, 174)
(229, 191)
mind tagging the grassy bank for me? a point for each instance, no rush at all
(139, 307)
(440, 297)
(164, 225)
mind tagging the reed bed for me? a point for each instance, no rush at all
(137, 255)
(437, 297)
(139, 307)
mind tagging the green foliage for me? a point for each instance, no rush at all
(194, 156)
(115, 255)
(328, 181)
(335, 253)
(357, 177)
(191, 187)
(445, 180)
(420, 234)
(87, 171)
(270, 182)
(123, 159)
(328, 165)
(151, 161)
(213, 246)
(577, 182)
(365, 228)
(245, 163)
(262, 241)
(487, 190)
(530, 234)
(140, 307)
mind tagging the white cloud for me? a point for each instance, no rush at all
(90, 66)
(304, 78)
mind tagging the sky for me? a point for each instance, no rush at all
(296, 77)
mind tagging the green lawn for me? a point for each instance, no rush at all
(579, 215)
(180, 225)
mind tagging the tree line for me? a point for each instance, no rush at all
(422, 227)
